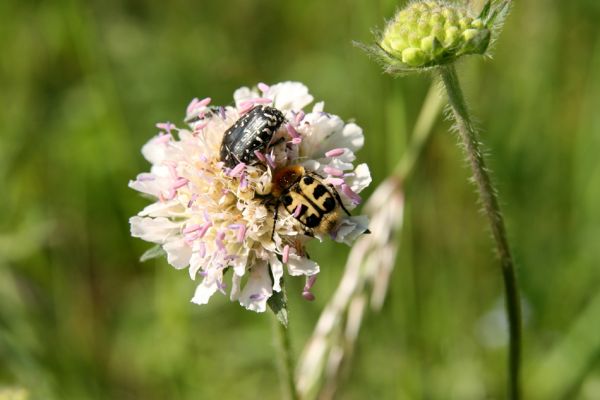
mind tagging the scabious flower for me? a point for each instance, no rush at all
(213, 220)
(426, 34)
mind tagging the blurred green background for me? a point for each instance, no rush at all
(82, 84)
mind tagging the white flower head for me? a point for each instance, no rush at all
(218, 220)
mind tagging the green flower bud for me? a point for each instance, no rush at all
(430, 33)
(413, 56)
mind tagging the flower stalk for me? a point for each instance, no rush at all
(489, 199)
(284, 350)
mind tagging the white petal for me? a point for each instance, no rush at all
(361, 178)
(352, 137)
(350, 228)
(289, 95)
(155, 150)
(178, 253)
(323, 132)
(258, 288)
(157, 230)
(153, 187)
(204, 291)
(318, 107)
(277, 271)
(301, 266)
(162, 209)
(236, 280)
(239, 265)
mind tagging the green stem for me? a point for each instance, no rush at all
(488, 197)
(284, 354)
(422, 131)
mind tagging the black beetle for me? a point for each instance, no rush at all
(252, 132)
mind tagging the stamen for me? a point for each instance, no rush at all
(204, 229)
(196, 104)
(204, 102)
(237, 170)
(286, 253)
(263, 87)
(202, 249)
(260, 156)
(308, 296)
(310, 282)
(333, 171)
(199, 127)
(192, 105)
(192, 199)
(191, 228)
(256, 297)
(243, 181)
(262, 100)
(241, 234)
(270, 160)
(335, 152)
(297, 211)
(145, 177)
(292, 131)
(219, 240)
(179, 183)
(296, 140)
(306, 293)
(299, 117)
(245, 106)
(166, 126)
(222, 113)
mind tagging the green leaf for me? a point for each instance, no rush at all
(278, 304)
(485, 10)
(153, 252)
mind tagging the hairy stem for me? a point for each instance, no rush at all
(284, 355)
(487, 194)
